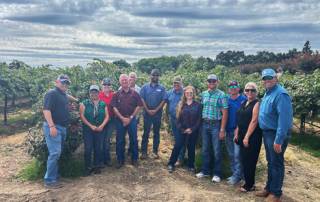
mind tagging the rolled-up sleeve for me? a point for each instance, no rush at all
(284, 109)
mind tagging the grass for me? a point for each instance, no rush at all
(308, 143)
(69, 168)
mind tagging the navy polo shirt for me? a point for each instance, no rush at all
(58, 103)
(232, 112)
(153, 96)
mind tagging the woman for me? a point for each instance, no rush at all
(106, 96)
(249, 135)
(94, 116)
(188, 119)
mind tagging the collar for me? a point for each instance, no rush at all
(272, 89)
(104, 95)
(213, 92)
(60, 91)
(190, 104)
(155, 85)
(180, 92)
(125, 91)
(240, 95)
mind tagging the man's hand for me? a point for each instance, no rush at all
(53, 131)
(149, 112)
(235, 138)
(166, 120)
(126, 121)
(277, 147)
(221, 135)
(152, 112)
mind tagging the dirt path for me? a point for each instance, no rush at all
(151, 181)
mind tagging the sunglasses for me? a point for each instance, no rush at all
(155, 75)
(189, 93)
(267, 78)
(233, 87)
(65, 82)
(248, 90)
(94, 92)
(211, 81)
(107, 84)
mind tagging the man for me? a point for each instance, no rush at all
(276, 121)
(126, 104)
(234, 101)
(56, 110)
(214, 115)
(153, 96)
(174, 97)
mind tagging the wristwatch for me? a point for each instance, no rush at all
(78, 102)
(222, 130)
(131, 117)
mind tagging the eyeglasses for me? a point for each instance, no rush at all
(155, 75)
(189, 93)
(211, 81)
(107, 84)
(94, 92)
(65, 82)
(267, 77)
(248, 90)
(233, 87)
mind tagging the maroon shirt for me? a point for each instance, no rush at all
(126, 103)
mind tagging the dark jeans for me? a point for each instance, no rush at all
(147, 123)
(105, 157)
(175, 132)
(121, 134)
(92, 140)
(180, 143)
(275, 162)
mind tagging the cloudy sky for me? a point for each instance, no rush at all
(71, 32)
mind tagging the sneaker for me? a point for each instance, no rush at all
(54, 185)
(170, 168)
(230, 178)
(192, 170)
(96, 170)
(135, 163)
(155, 155)
(216, 179)
(272, 198)
(144, 155)
(179, 163)
(200, 175)
(108, 164)
(86, 172)
(234, 181)
(263, 193)
(119, 164)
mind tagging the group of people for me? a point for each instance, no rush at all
(242, 120)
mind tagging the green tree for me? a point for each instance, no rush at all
(307, 48)
(122, 63)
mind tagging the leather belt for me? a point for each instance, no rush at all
(58, 124)
(211, 122)
(127, 116)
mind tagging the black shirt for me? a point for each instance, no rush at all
(58, 103)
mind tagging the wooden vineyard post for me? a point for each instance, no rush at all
(303, 124)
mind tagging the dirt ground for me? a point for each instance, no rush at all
(150, 181)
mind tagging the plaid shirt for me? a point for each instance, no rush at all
(213, 102)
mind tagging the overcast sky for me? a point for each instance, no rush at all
(71, 32)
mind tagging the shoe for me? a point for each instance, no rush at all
(230, 178)
(170, 168)
(263, 193)
(86, 172)
(96, 170)
(179, 163)
(135, 163)
(144, 155)
(101, 165)
(244, 189)
(192, 170)
(108, 164)
(216, 179)
(54, 185)
(272, 198)
(155, 155)
(119, 164)
(200, 175)
(233, 181)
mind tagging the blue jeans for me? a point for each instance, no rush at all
(147, 122)
(275, 162)
(105, 146)
(121, 134)
(175, 131)
(55, 146)
(235, 156)
(210, 134)
(92, 141)
(181, 142)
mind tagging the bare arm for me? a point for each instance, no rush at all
(167, 110)
(72, 99)
(160, 106)
(83, 119)
(145, 107)
(48, 117)
(253, 124)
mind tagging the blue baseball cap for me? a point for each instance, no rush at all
(267, 72)
(106, 80)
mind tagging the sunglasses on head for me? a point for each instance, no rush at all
(107, 84)
(155, 75)
(248, 90)
(65, 82)
(233, 87)
(189, 93)
(211, 81)
(267, 78)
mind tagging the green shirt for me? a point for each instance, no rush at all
(88, 113)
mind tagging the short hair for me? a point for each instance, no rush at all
(123, 75)
(254, 85)
(132, 73)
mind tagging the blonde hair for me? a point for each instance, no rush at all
(183, 100)
(254, 85)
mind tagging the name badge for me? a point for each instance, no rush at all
(159, 90)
